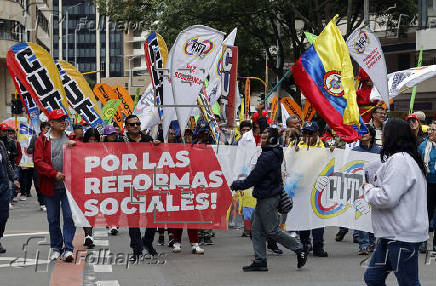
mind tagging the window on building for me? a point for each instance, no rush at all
(11, 30)
(137, 45)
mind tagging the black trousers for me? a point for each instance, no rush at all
(431, 204)
(38, 192)
(26, 178)
(137, 243)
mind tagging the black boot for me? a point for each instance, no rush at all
(256, 266)
(301, 258)
(272, 245)
(320, 252)
(2, 250)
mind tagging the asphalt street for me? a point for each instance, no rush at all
(26, 260)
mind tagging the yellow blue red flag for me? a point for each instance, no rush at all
(324, 74)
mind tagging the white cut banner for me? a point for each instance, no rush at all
(400, 81)
(324, 185)
(213, 90)
(365, 48)
(189, 61)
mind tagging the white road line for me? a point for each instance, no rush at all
(100, 233)
(24, 234)
(108, 283)
(102, 268)
(101, 242)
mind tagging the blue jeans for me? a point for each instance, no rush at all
(366, 239)
(345, 230)
(54, 204)
(397, 256)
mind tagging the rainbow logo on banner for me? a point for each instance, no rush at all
(197, 47)
(343, 189)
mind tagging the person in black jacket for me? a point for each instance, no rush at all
(6, 174)
(267, 180)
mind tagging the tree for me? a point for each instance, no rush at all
(257, 22)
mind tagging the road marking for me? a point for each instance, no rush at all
(25, 234)
(108, 283)
(102, 268)
(99, 233)
(101, 242)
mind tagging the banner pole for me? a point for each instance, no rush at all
(16, 115)
(276, 86)
(412, 97)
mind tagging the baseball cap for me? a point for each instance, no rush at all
(56, 114)
(412, 116)
(4, 126)
(310, 126)
(109, 129)
(202, 126)
(420, 114)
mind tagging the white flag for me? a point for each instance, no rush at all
(213, 90)
(189, 61)
(285, 114)
(401, 80)
(146, 109)
(365, 48)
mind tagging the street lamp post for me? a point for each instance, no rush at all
(68, 28)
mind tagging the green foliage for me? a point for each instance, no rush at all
(256, 21)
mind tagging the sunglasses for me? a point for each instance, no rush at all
(134, 124)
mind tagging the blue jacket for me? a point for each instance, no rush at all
(431, 176)
(266, 177)
(373, 149)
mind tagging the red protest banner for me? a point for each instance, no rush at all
(142, 185)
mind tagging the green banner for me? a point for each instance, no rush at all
(109, 109)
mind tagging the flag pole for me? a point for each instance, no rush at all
(412, 97)
(276, 86)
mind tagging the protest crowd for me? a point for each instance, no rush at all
(400, 192)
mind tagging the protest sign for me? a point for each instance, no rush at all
(172, 185)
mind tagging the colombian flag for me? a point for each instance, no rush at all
(324, 74)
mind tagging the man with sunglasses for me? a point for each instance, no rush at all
(49, 161)
(134, 134)
(310, 139)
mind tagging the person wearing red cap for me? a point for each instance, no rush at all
(12, 151)
(415, 125)
(49, 163)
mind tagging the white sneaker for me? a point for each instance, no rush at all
(177, 248)
(11, 207)
(196, 249)
(89, 242)
(43, 208)
(68, 256)
(55, 255)
(23, 198)
(114, 230)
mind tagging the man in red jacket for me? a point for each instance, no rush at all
(49, 159)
